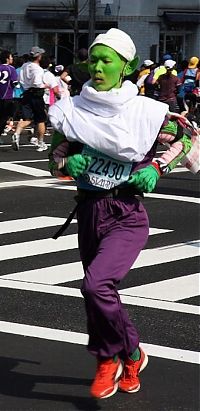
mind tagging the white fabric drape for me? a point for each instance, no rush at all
(118, 122)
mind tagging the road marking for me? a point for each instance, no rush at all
(173, 289)
(179, 170)
(82, 339)
(44, 246)
(29, 161)
(47, 245)
(24, 169)
(43, 183)
(147, 257)
(64, 185)
(172, 197)
(75, 292)
(50, 275)
(166, 254)
(21, 145)
(59, 273)
(33, 223)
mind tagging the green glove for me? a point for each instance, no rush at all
(77, 164)
(145, 179)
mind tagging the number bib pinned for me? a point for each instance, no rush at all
(104, 172)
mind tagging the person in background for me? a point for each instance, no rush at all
(189, 75)
(180, 95)
(51, 92)
(33, 106)
(198, 75)
(151, 90)
(162, 69)
(8, 81)
(192, 112)
(144, 72)
(168, 85)
(78, 72)
(63, 86)
(18, 91)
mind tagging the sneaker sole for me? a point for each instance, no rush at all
(118, 373)
(145, 362)
(41, 150)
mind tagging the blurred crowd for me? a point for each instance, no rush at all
(30, 83)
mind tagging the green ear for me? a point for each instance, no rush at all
(131, 66)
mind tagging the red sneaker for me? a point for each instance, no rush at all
(106, 379)
(129, 381)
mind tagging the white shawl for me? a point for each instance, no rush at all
(118, 122)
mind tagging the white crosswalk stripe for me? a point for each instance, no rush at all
(162, 295)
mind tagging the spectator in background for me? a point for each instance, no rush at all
(8, 80)
(33, 106)
(78, 72)
(144, 72)
(18, 91)
(151, 90)
(168, 85)
(162, 69)
(191, 111)
(51, 92)
(189, 75)
(198, 75)
(180, 95)
(63, 86)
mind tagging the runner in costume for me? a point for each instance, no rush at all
(106, 139)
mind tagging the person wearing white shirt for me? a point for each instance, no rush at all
(52, 93)
(33, 106)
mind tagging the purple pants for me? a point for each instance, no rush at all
(111, 234)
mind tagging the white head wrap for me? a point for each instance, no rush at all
(119, 41)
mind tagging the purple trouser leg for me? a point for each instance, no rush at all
(111, 235)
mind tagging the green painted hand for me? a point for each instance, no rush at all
(145, 179)
(77, 164)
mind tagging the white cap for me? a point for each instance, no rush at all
(119, 41)
(169, 64)
(36, 51)
(148, 63)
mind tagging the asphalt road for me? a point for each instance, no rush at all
(43, 358)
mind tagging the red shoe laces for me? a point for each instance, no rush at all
(103, 370)
(130, 371)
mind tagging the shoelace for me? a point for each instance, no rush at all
(102, 371)
(130, 372)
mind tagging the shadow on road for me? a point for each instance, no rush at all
(17, 384)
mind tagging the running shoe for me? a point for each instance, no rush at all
(34, 141)
(15, 142)
(42, 147)
(106, 379)
(129, 381)
(9, 127)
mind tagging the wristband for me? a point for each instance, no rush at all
(157, 167)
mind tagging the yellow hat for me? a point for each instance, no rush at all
(193, 62)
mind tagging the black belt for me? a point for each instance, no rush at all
(127, 192)
(115, 192)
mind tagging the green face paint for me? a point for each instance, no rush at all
(106, 68)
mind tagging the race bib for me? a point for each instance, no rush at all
(105, 172)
